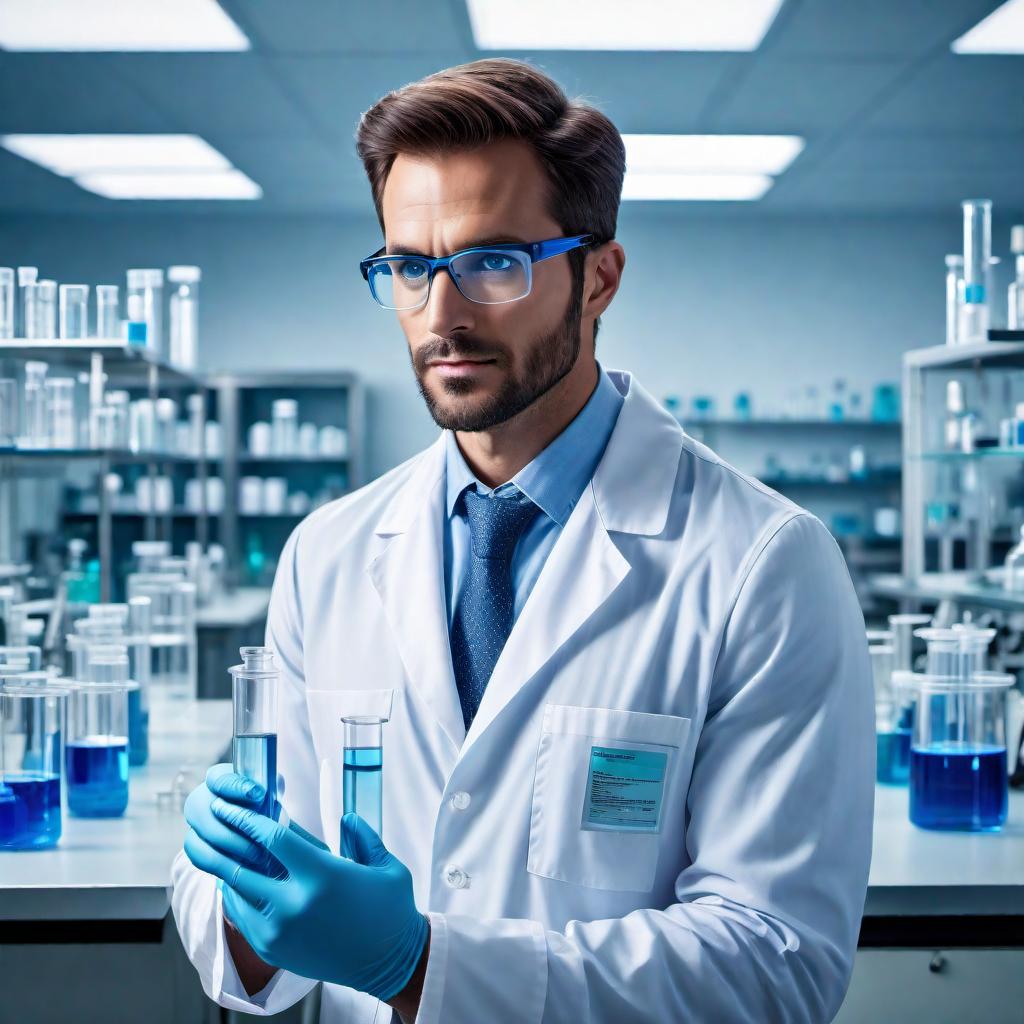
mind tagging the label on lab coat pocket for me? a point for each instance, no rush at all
(624, 789)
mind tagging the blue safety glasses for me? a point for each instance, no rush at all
(489, 274)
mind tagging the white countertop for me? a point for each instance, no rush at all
(118, 868)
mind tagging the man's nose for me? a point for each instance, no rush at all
(448, 310)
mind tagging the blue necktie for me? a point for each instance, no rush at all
(484, 612)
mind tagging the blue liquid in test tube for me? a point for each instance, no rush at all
(256, 758)
(893, 757)
(29, 811)
(97, 776)
(362, 777)
(138, 729)
(957, 787)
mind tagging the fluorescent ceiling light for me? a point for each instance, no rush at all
(696, 187)
(739, 154)
(1001, 32)
(118, 25)
(73, 154)
(619, 25)
(229, 184)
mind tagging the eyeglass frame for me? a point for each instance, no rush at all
(537, 251)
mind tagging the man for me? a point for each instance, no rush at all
(628, 762)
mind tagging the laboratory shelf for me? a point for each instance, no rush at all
(295, 459)
(780, 421)
(962, 357)
(122, 361)
(874, 480)
(978, 453)
(117, 869)
(177, 513)
(120, 455)
(956, 587)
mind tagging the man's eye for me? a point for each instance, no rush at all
(413, 271)
(495, 261)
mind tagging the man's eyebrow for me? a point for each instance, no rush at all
(411, 250)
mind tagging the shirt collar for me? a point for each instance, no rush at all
(556, 478)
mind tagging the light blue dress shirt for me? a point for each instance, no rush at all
(554, 480)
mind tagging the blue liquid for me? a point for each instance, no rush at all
(97, 776)
(29, 811)
(893, 757)
(958, 787)
(138, 729)
(255, 757)
(361, 778)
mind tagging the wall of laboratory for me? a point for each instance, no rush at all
(708, 305)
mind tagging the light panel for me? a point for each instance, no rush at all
(118, 25)
(727, 25)
(741, 154)
(72, 154)
(1001, 32)
(229, 184)
(695, 187)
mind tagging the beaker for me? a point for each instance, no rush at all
(254, 736)
(108, 312)
(974, 310)
(61, 426)
(958, 771)
(111, 663)
(893, 721)
(74, 311)
(974, 645)
(6, 302)
(96, 755)
(943, 658)
(31, 723)
(363, 770)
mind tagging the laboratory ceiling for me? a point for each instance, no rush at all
(895, 123)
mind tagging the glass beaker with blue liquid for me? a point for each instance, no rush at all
(254, 737)
(893, 720)
(96, 754)
(958, 766)
(31, 722)
(363, 770)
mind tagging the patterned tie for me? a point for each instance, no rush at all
(483, 615)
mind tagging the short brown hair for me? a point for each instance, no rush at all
(474, 104)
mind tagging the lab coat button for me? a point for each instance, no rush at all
(455, 877)
(460, 800)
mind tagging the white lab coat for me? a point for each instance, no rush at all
(685, 608)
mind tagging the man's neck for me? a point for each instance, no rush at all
(496, 455)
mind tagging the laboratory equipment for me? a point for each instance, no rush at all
(6, 302)
(254, 739)
(893, 720)
(74, 310)
(111, 662)
(184, 315)
(148, 554)
(363, 769)
(31, 723)
(954, 296)
(284, 419)
(34, 423)
(31, 656)
(958, 651)
(8, 412)
(27, 278)
(958, 767)
(108, 311)
(1015, 295)
(973, 321)
(148, 286)
(96, 755)
(173, 639)
(46, 309)
(135, 325)
(61, 429)
(1013, 576)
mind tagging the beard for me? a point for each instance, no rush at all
(549, 359)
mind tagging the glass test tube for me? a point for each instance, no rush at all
(6, 302)
(974, 312)
(74, 310)
(363, 769)
(35, 424)
(61, 429)
(96, 755)
(108, 311)
(46, 309)
(254, 737)
(140, 667)
(27, 278)
(31, 722)
(184, 315)
(145, 300)
(8, 412)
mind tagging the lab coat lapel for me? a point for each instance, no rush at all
(409, 577)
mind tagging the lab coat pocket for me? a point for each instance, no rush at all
(603, 780)
(326, 710)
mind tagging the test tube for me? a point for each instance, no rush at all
(148, 286)
(6, 302)
(96, 755)
(61, 430)
(8, 412)
(140, 668)
(31, 723)
(108, 312)
(184, 315)
(46, 309)
(974, 312)
(35, 421)
(74, 310)
(254, 738)
(954, 295)
(363, 769)
(27, 278)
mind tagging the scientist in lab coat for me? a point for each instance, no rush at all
(628, 764)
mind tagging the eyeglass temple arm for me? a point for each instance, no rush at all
(556, 246)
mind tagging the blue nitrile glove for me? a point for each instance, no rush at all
(352, 921)
(223, 783)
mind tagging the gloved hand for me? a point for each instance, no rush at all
(352, 921)
(207, 831)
